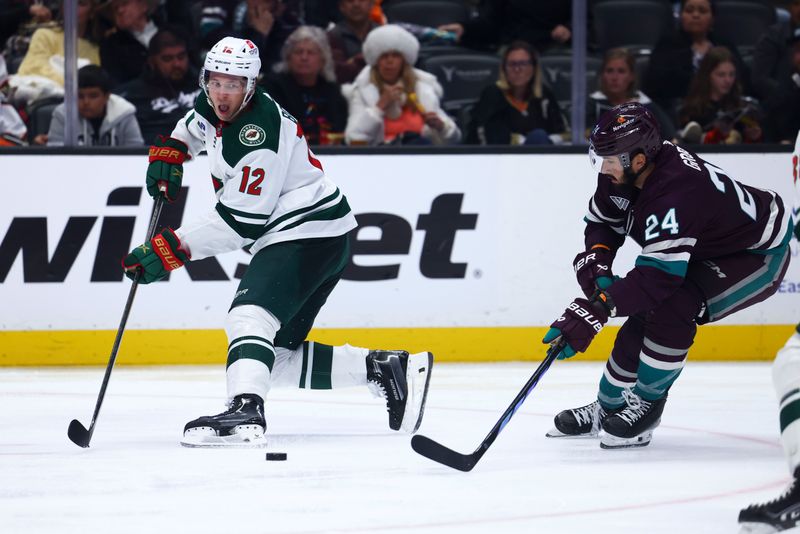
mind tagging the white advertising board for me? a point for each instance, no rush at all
(475, 240)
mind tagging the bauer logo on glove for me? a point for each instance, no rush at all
(585, 314)
(165, 172)
(155, 261)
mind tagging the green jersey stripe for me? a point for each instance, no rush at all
(321, 369)
(333, 213)
(297, 212)
(250, 338)
(252, 351)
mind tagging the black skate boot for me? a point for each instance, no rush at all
(633, 425)
(777, 515)
(241, 425)
(583, 422)
(401, 379)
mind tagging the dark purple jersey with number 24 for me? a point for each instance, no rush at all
(688, 210)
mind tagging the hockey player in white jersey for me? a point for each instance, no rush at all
(274, 199)
(783, 513)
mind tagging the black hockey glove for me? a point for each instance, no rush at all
(580, 322)
(593, 269)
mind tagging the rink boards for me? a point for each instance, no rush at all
(468, 256)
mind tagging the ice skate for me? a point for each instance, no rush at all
(242, 426)
(633, 425)
(401, 379)
(583, 422)
(776, 515)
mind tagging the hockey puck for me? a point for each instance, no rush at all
(276, 456)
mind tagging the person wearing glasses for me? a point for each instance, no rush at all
(518, 108)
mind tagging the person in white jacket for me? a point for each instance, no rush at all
(105, 119)
(390, 101)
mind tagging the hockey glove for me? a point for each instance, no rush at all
(155, 259)
(165, 172)
(581, 321)
(593, 269)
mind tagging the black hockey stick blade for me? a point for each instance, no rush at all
(465, 462)
(78, 434)
(439, 453)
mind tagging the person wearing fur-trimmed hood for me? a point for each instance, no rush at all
(390, 100)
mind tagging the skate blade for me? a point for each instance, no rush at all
(761, 528)
(418, 378)
(556, 433)
(613, 442)
(251, 437)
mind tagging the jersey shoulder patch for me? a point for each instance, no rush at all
(257, 129)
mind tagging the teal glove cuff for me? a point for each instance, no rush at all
(552, 335)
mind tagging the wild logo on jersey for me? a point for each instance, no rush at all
(252, 135)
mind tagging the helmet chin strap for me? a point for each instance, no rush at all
(629, 177)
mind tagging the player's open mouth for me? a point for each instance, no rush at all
(223, 108)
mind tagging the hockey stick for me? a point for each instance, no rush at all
(465, 462)
(77, 432)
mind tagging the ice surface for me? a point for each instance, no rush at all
(716, 451)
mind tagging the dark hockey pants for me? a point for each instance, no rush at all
(651, 347)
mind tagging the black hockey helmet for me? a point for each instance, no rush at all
(624, 131)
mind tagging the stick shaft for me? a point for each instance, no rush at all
(151, 229)
(465, 462)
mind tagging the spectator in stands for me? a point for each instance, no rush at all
(714, 111)
(167, 88)
(45, 55)
(677, 57)
(391, 101)
(267, 23)
(617, 84)
(518, 108)
(105, 119)
(347, 37)
(772, 57)
(541, 23)
(783, 105)
(321, 13)
(123, 51)
(15, 13)
(12, 128)
(306, 87)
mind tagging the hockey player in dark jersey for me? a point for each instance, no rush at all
(711, 246)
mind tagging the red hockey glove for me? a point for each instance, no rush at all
(155, 259)
(593, 269)
(165, 172)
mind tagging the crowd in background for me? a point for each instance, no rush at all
(430, 72)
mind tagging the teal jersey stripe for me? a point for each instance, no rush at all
(189, 119)
(304, 368)
(675, 268)
(789, 414)
(300, 211)
(321, 369)
(336, 211)
(784, 242)
(773, 266)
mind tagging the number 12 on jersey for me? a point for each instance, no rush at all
(251, 181)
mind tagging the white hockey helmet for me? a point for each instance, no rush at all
(237, 57)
